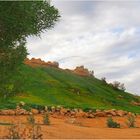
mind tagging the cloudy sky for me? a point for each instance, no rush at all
(102, 36)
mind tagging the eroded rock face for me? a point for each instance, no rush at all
(82, 71)
(39, 62)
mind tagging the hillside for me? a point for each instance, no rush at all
(53, 86)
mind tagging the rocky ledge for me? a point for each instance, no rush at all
(66, 112)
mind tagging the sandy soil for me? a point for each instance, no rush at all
(75, 128)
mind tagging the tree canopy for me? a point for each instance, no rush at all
(18, 20)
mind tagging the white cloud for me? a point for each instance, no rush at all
(103, 36)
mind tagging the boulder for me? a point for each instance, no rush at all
(58, 108)
(89, 115)
(21, 112)
(72, 113)
(63, 111)
(98, 110)
(81, 113)
(21, 104)
(110, 112)
(53, 109)
(121, 113)
(100, 114)
(90, 111)
(18, 107)
(42, 111)
(75, 110)
(46, 109)
(130, 114)
(34, 111)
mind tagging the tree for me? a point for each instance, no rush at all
(103, 79)
(19, 20)
(117, 85)
(122, 87)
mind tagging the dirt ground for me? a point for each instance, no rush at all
(76, 128)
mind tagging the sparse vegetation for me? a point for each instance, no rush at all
(46, 119)
(19, 131)
(131, 121)
(112, 124)
(31, 119)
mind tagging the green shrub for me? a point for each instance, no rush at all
(131, 121)
(112, 124)
(46, 119)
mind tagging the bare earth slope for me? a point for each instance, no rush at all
(64, 127)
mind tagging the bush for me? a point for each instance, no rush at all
(46, 119)
(131, 121)
(112, 124)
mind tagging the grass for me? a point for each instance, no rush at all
(52, 87)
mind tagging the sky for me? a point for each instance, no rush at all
(102, 36)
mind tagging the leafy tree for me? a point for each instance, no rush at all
(19, 20)
(117, 85)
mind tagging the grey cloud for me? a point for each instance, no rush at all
(103, 36)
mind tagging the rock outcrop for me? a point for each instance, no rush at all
(39, 62)
(82, 71)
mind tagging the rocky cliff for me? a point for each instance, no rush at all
(80, 70)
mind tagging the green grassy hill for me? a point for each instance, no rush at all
(52, 86)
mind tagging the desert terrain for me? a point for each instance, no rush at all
(62, 127)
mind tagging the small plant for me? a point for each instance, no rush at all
(24, 132)
(131, 121)
(112, 124)
(31, 119)
(46, 119)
